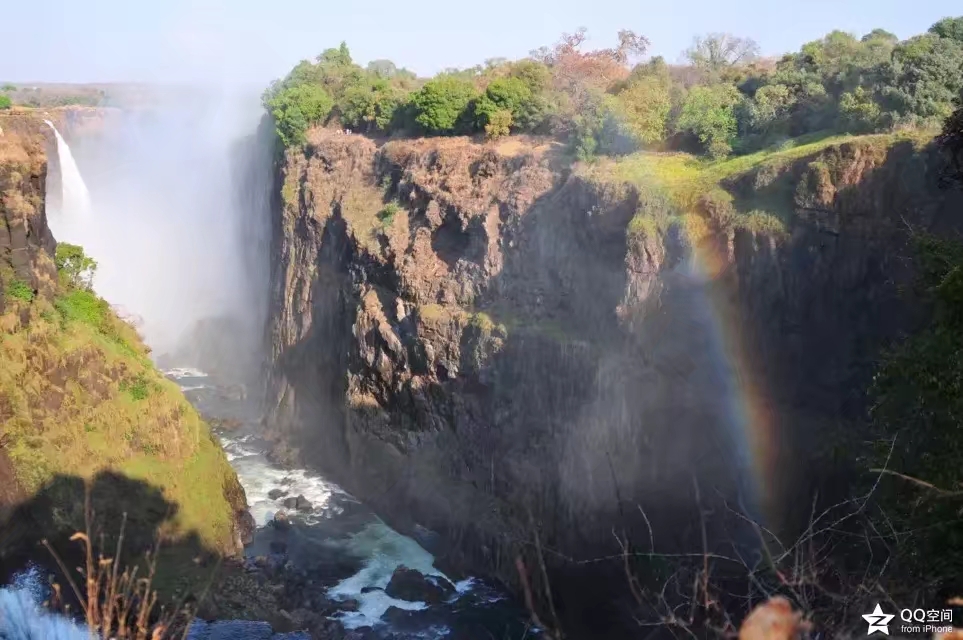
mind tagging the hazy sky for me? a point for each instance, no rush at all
(256, 40)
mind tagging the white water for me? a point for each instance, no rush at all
(383, 548)
(23, 618)
(70, 221)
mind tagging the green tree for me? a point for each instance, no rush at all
(297, 108)
(709, 114)
(923, 78)
(951, 28)
(514, 96)
(75, 267)
(536, 75)
(5, 102)
(441, 107)
(646, 103)
(858, 111)
(370, 106)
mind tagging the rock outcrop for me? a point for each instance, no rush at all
(477, 340)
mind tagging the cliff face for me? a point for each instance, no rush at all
(81, 402)
(476, 340)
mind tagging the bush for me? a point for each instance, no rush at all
(499, 124)
(441, 107)
(20, 290)
(5, 102)
(297, 108)
(76, 269)
(387, 214)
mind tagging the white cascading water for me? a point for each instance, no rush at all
(70, 220)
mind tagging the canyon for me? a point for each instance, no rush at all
(530, 365)
(545, 363)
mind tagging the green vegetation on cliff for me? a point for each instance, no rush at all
(79, 395)
(80, 398)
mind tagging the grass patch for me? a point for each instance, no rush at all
(687, 181)
(82, 397)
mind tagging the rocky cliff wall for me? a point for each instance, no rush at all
(477, 340)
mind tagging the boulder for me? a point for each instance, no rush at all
(281, 522)
(246, 526)
(276, 494)
(408, 584)
(300, 503)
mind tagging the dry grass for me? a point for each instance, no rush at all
(117, 603)
(780, 591)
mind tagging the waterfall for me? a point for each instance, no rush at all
(69, 221)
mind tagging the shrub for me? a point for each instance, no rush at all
(20, 290)
(75, 267)
(5, 102)
(499, 124)
(387, 214)
(81, 305)
(441, 106)
(297, 108)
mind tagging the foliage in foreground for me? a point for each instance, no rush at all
(117, 603)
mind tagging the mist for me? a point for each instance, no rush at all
(179, 222)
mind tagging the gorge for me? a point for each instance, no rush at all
(478, 357)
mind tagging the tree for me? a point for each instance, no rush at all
(646, 104)
(715, 52)
(511, 95)
(709, 114)
(951, 28)
(441, 106)
(923, 78)
(295, 109)
(5, 102)
(951, 141)
(382, 68)
(75, 267)
(370, 106)
(577, 75)
(858, 111)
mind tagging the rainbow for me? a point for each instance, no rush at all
(749, 409)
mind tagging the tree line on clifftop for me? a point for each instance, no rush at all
(724, 99)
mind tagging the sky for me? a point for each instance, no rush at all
(254, 41)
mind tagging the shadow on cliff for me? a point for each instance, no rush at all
(818, 309)
(57, 511)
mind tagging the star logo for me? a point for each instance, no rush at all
(878, 621)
